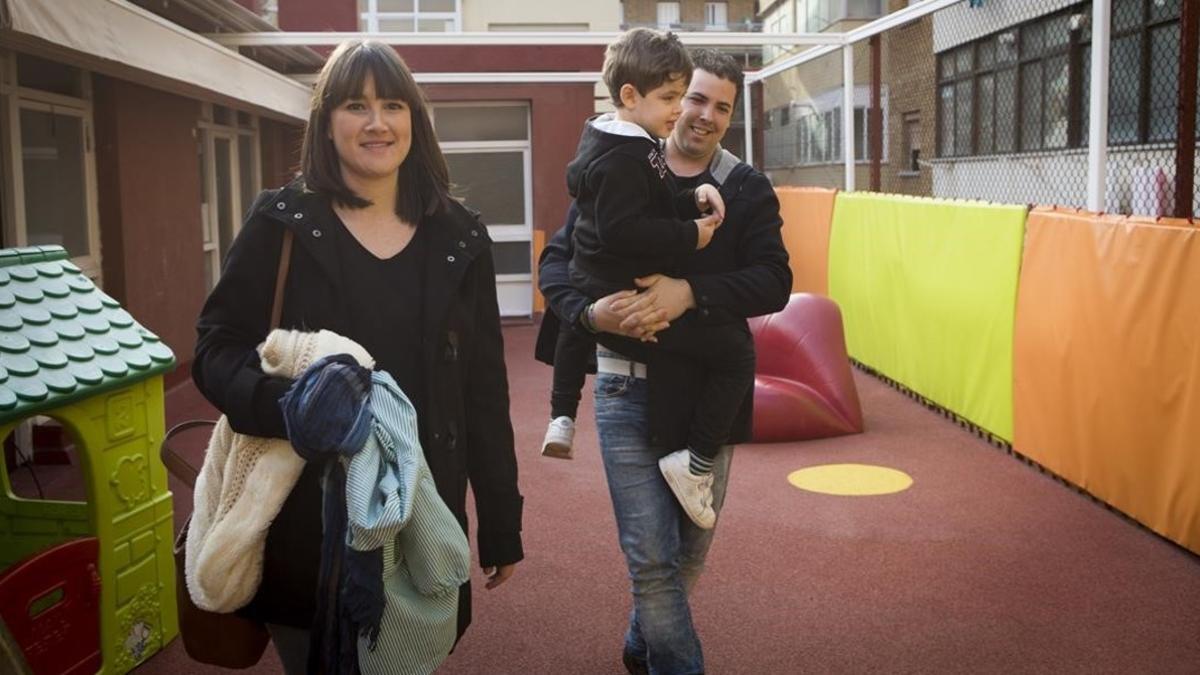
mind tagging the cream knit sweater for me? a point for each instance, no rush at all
(244, 482)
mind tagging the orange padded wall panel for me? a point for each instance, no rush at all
(807, 215)
(1107, 362)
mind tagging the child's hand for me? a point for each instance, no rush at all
(705, 227)
(708, 198)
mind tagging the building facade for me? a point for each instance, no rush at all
(802, 106)
(137, 146)
(1013, 83)
(690, 15)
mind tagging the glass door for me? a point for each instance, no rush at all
(487, 149)
(220, 203)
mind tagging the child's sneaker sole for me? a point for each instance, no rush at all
(557, 451)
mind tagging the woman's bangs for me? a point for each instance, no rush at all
(347, 80)
(390, 83)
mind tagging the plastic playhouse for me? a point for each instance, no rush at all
(70, 352)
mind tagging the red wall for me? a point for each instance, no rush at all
(557, 113)
(280, 145)
(468, 59)
(318, 15)
(149, 195)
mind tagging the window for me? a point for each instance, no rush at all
(911, 142)
(487, 150)
(668, 15)
(817, 15)
(409, 16)
(864, 9)
(49, 191)
(813, 137)
(784, 142)
(778, 25)
(1027, 87)
(230, 178)
(716, 16)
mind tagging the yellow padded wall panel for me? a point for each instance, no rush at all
(928, 291)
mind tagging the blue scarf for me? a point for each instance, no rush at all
(327, 414)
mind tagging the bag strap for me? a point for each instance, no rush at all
(175, 463)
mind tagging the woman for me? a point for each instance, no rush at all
(384, 256)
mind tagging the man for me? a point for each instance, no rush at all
(643, 413)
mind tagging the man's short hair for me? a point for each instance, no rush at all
(722, 65)
(646, 59)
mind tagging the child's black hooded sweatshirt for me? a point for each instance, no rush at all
(633, 221)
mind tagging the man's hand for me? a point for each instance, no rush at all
(498, 575)
(705, 228)
(709, 198)
(614, 314)
(671, 296)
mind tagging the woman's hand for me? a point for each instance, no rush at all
(498, 575)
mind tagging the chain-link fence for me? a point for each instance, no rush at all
(990, 100)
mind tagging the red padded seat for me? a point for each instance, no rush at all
(803, 385)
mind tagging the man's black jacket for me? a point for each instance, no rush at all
(743, 272)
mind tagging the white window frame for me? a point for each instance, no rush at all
(16, 98)
(370, 17)
(505, 232)
(210, 224)
(663, 18)
(716, 16)
(836, 10)
(821, 105)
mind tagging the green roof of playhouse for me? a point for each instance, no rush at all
(61, 338)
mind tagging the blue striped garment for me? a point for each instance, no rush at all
(393, 504)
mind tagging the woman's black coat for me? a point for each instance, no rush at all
(465, 429)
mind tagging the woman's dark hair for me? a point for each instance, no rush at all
(423, 180)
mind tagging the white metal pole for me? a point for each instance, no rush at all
(748, 114)
(848, 114)
(1098, 122)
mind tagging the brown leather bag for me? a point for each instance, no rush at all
(225, 640)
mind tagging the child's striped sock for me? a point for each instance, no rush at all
(698, 464)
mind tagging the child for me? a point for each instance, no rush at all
(629, 226)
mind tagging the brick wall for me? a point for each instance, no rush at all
(148, 172)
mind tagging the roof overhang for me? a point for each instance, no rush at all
(475, 39)
(117, 38)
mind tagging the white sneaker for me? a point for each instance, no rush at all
(559, 436)
(693, 492)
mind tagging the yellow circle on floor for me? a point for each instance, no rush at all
(851, 480)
